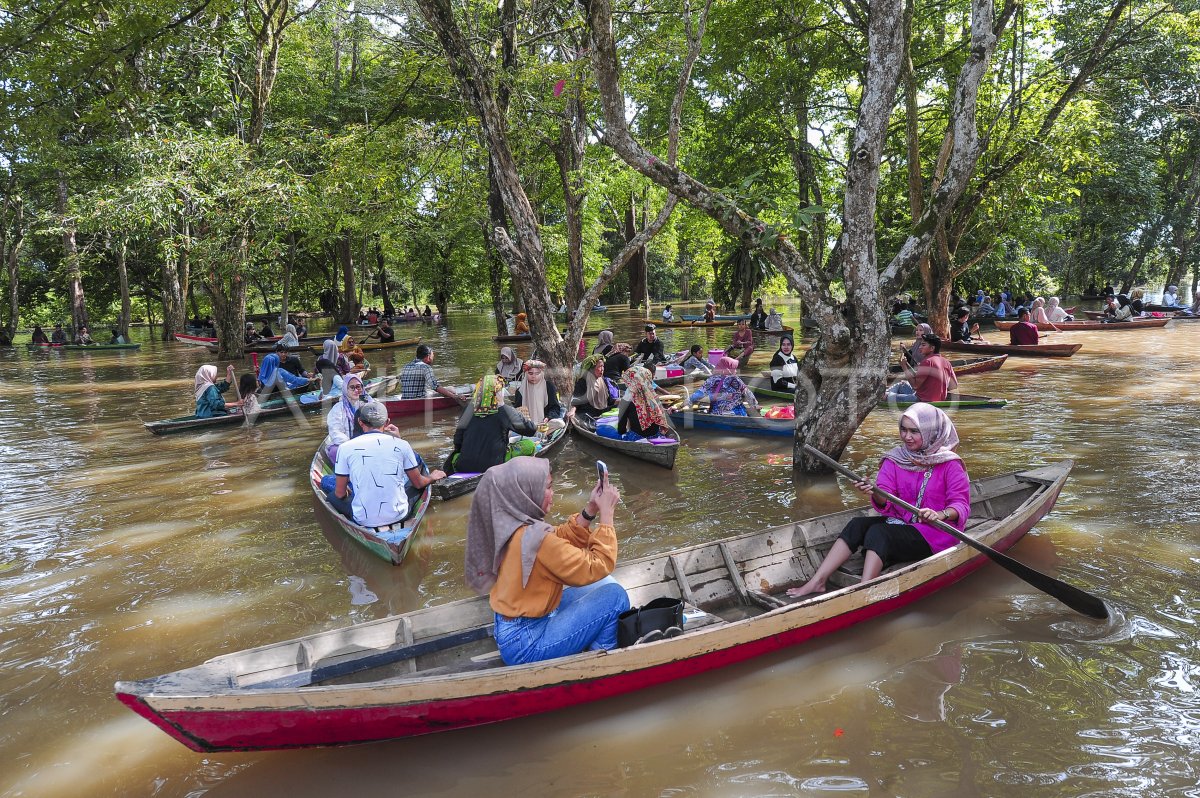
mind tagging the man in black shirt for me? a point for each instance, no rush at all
(650, 349)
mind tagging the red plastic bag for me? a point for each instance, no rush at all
(781, 412)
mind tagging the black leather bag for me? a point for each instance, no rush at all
(660, 615)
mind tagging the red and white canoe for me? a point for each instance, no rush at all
(437, 668)
(1114, 326)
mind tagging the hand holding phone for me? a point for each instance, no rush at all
(602, 472)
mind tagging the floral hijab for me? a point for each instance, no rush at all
(937, 434)
(488, 396)
(641, 392)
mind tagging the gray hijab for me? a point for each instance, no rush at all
(508, 497)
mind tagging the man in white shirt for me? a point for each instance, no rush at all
(380, 465)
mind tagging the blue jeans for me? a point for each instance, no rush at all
(586, 618)
(901, 390)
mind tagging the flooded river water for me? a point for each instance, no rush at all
(124, 555)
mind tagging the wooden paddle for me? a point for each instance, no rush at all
(1073, 597)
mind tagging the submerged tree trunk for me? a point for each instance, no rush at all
(637, 264)
(71, 261)
(288, 264)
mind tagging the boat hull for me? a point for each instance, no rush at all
(658, 454)
(398, 408)
(744, 425)
(252, 719)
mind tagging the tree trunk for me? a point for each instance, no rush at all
(685, 264)
(172, 299)
(496, 267)
(637, 264)
(288, 264)
(229, 304)
(348, 312)
(381, 268)
(71, 261)
(12, 235)
(123, 278)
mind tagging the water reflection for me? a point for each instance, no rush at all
(125, 555)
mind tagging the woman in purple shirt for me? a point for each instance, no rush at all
(923, 471)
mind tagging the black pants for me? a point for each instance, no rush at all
(892, 542)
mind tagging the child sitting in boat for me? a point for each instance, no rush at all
(924, 471)
(550, 588)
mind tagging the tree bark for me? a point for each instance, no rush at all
(172, 299)
(637, 264)
(381, 268)
(71, 260)
(119, 252)
(348, 310)
(12, 235)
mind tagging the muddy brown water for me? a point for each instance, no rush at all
(124, 555)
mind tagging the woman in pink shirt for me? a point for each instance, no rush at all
(923, 471)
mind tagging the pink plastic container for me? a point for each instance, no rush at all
(714, 355)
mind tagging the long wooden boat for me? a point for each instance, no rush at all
(1113, 326)
(962, 366)
(785, 331)
(204, 340)
(660, 453)
(306, 401)
(744, 425)
(398, 343)
(80, 347)
(954, 401)
(398, 408)
(455, 485)
(526, 337)
(390, 542)
(437, 668)
(267, 347)
(694, 324)
(735, 317)
(1030, 350)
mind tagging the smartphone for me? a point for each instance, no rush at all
(602, 472)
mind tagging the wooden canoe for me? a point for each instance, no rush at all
(437, 668)
(455, 485)
(389, 543)
(785, 331)
(204, 340)
(1113, 326)
(1031, 350)
(734, 317)
(526, 337)
(308, 401)
(81, 347)
(660, 454)
(699, 325)
(367, 347)
(398, 408)
(954, 401)
(743, 425)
